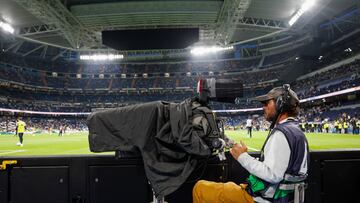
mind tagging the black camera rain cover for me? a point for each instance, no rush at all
(162, 132)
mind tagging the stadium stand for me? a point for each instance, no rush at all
(333, 80)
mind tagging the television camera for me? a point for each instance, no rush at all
(219, 90)
(170, 137)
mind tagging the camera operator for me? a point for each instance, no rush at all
(284, 154)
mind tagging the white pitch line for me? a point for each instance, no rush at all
(253, 148)
(11, 151)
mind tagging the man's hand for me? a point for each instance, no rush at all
(238, 149)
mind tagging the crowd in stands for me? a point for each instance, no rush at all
(313, 120)
(116, 81)
(316, 90)
(16, 98)
(343, 77)
(305, 87)
(35, 72)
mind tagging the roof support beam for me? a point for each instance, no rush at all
(262, 23)
(18, 47)
(45, 43)
(206, 33)
(38, 29)
(261, 37)
(337, 27)
(60, 54)
(31, 51)
(12, 46)
(231, 13)
(54, 13)
(43, 53)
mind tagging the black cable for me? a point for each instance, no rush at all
(270, 129)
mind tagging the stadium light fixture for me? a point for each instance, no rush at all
(101, 57)
(7, 27)
(304, 7)
(200, 51)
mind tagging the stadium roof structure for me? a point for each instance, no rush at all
(56, 28)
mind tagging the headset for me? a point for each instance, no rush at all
(282, 103)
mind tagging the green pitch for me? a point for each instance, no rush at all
(77, 143)
(45, 144)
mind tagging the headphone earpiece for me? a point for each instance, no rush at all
(279, 103)
(283, 101)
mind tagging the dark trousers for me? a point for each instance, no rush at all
(21, 137)
(355, 131)
(249, 131)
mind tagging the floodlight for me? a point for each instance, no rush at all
(101, 57)
(7, 27)
(307, 5)
(203, 50)
(304, 7)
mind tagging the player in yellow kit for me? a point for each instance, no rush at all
(20, 129)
